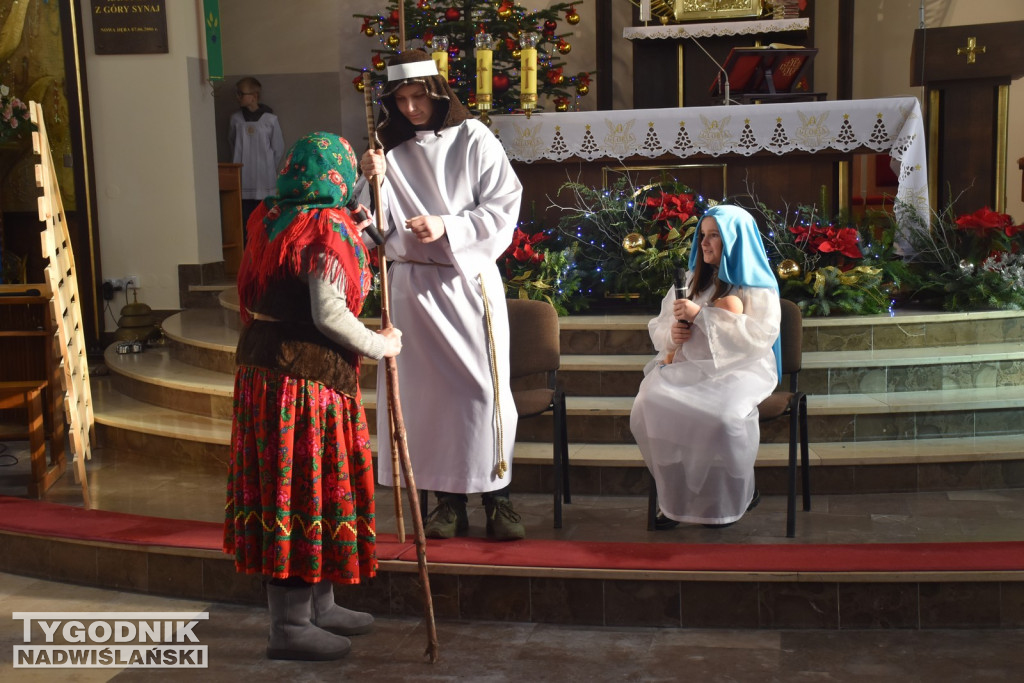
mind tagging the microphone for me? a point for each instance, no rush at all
(681, 290)
(723, 76)
(359, 216)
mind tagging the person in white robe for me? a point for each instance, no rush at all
(451, 203)
(695, 415)
(256, 141)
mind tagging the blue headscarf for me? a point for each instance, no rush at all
(744, 261)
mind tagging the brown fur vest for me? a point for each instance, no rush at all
(291, 345)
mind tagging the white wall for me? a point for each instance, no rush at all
(154, 152)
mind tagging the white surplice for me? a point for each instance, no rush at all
(695, 419)
(258, 146)
(454, 366)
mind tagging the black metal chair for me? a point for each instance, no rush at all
(535, 358)
(791, 403)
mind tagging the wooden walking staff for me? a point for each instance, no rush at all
(399, 443)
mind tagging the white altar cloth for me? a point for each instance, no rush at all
(714, 29)
(892, 125)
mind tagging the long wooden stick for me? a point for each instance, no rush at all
(399, 443)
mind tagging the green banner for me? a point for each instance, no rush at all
(214, 59)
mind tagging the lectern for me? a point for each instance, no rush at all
(767, 74)
(966, 71)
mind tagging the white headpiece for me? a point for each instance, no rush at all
(400, 72)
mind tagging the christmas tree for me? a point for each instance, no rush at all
(429, 24)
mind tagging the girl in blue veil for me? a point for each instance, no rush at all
(695, 415)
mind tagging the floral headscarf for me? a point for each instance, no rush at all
(307, 218)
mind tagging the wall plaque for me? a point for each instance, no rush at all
(123, 27)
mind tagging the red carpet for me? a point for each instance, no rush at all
(36, 518)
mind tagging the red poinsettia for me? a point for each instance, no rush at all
(521, 250)
(829, 239)
(985, 219)
(844, 240)
(672, 206)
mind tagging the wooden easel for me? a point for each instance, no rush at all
(66, 307)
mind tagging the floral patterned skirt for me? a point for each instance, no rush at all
(300, 481)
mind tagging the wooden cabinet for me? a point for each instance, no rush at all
(231, 227)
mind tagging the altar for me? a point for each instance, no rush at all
(780, 153)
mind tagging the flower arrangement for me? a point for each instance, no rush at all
(14, 116)
(631, 240)
(968, 262)
(831, 266)
(536, 267)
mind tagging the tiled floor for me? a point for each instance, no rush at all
(493, 652)
(126, 484)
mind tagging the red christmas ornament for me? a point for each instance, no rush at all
(500, 83)
(452, 14)
(453, 51)
(550, 25)
(428, 37)
(393, 19)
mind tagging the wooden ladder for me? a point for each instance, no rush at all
(66, 305)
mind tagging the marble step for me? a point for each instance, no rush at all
(904, 329)
(616, 469)
(201, 337)
(156, 377)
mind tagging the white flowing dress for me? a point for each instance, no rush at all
(695, 419)
(448, 299)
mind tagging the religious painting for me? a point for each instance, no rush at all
(32, 68)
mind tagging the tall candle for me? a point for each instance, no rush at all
(440, 55)
(528, 71)
(484, 56)
(441, 59)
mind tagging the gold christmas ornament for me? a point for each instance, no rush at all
(392, 40)
(370, 31)
(517, 53)
(504, 12)
(583, 88)
(573, 18)
(564, 48)
(561, 106)
(788, 268)
(633, 242)
(360, 86)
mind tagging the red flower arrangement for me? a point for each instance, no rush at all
(985, 220)
(521, 250)
(671, 206)
(829, 239)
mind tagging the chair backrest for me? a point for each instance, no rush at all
(534, 335)
(792, 337)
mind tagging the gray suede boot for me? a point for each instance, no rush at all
(292, 635)
(330, 616)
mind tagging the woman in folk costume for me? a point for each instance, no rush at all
(695, 415)
(300, 506)
(451, 202)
